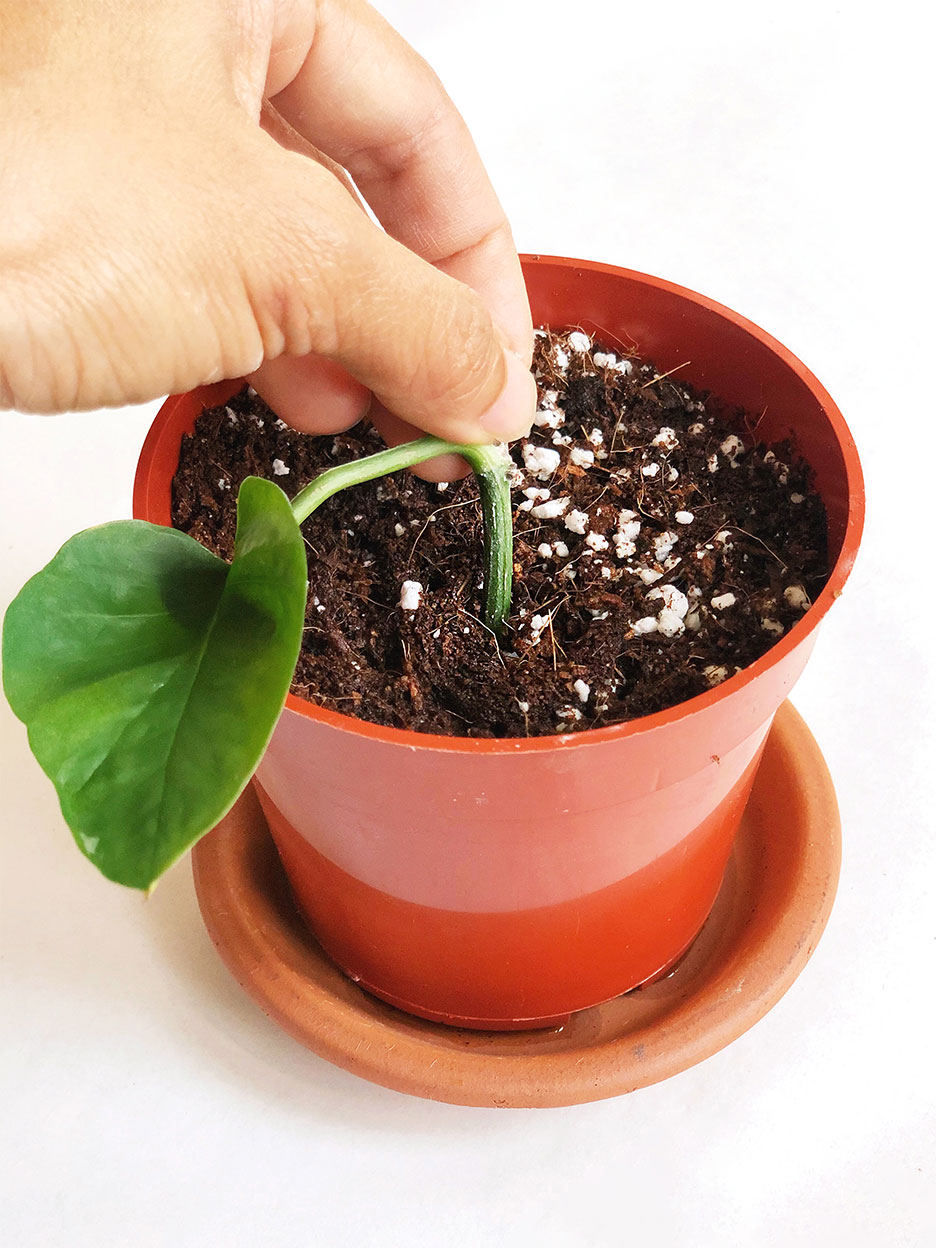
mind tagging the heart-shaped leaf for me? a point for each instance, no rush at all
(150, 675)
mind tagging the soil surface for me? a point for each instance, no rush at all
(658, 550)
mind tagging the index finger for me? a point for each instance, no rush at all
(370, 102)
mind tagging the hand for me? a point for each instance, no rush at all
(176, 210)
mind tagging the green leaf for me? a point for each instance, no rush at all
(151, 674)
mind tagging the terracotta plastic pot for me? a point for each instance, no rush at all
(505, 884)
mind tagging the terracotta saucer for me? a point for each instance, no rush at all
(769, 915)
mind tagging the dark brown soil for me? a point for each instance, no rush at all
(708, 595)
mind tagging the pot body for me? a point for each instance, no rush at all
(505, 884)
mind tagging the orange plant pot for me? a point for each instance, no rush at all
(506, 883)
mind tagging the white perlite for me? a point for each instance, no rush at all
(596, 541)
(712, 463)
(544, 550)
(669, 623)
(223, 483)
(684, 517)
(577, 522)
(581, 458)
(624, 548)
(583, 690)
(604, 359)
(561, 549)
(596, 437)
(797, 498)
(732, 447)
(650, 470)
(537, 624)
(663, 543)
(560, 358)
(578, 341)
(673, 599)
(410, 595)
(647, 625)
(715, 674)
(796, 596)
(552, 509)
(649, 575)
(540, 460)
(399, 529)
(524, 706)
(666, 438)
(561, 439)
(628, 525)
(548, 418)
(772, 626)
(279, 468)
(537, 493)
(721, 602)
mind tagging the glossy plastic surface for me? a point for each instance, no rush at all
(504, 883)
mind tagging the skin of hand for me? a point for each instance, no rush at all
(180, 187)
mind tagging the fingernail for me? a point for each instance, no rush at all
(510, 416)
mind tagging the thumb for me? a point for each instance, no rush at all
(324, 280)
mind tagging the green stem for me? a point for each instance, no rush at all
(490, 465)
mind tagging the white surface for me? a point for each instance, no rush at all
(771, 156)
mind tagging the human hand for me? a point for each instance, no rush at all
(176, 211)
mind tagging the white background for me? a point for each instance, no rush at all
(775, 157)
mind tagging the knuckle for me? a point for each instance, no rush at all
(463, 352)
(295, 272)
(38, 368)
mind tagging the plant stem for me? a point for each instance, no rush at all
(489, 464)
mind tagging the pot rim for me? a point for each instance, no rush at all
(647, 723)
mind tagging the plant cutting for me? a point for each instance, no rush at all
(506, 880)
(150, 673)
